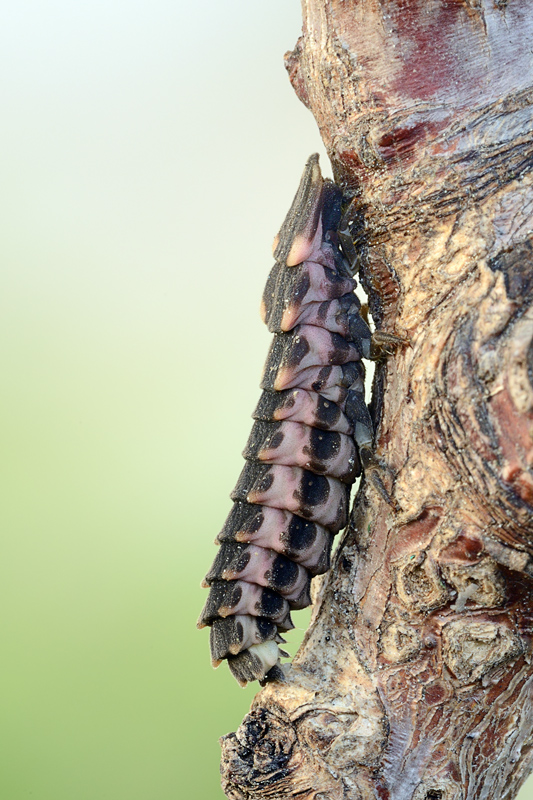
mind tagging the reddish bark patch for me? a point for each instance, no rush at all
(416, 535)
(515, 443)
(433, 54)
(466, 549)
(401, 143)
(436, 693)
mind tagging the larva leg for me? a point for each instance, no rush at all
(385, 344)
(346, 238)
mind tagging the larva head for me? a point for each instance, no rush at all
(294, 242)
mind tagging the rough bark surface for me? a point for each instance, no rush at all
(415, 678)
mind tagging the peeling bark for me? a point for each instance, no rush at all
(415, 677)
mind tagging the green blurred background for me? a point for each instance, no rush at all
(149, 153)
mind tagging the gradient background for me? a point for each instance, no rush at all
(149, 153)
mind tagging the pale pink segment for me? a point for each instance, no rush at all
(318, 252)
(328, 314)
(325, 348)
(259, 562)
(296, 450)
(273, 534)
(303, 247)
(328, 381)
(304, 409)
(275, 521)
(259, 570)
(320, 285)
(315, 497)
(251, 602)
(251, 634)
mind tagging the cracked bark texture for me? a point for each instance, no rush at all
(415, 677)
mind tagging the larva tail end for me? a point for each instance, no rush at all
(255, 663)
(274, 674)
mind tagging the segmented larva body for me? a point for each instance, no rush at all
(292, 496)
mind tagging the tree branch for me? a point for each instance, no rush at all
(414, 680)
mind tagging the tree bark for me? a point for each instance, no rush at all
(415, 677)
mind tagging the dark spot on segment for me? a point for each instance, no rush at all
(229, 554)
(276, 440)
(245, 517)
(267, 629)
(234, 596)
(301, 284)
(324, 445)
(297, 351)
(285, 624)
(289, 400)
(323, 310)
(283, 574)
(239, 631)
(346, 564)
(253, 524)
(350, 303)
(322, 379)
(222, 594)
(340, 350)
(270, 402)
(313, 490)
(327, 412)
(316, 466)
(366, 456)
(341, 519)
(335, 284)
(264, 483)
(271, 604)
(300, 536)
(240, 562)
